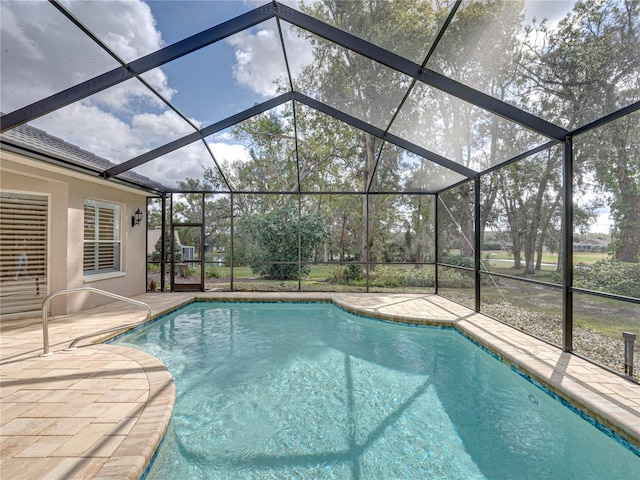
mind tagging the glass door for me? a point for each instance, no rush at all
(187, 267)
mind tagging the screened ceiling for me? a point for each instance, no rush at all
(161, 91)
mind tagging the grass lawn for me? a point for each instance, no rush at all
(500, 258)
(608, 316)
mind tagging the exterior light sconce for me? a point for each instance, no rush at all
(137, 218)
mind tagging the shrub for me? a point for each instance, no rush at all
(383, 276)
(347, 274)
(211, 272)
(388, 277)
(451, 278)
(458, 260)
(419, 277)
(190, 271)
(612, 276)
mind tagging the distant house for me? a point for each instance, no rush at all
(153, 236)
(591, 245)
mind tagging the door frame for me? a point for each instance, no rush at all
(187, 287)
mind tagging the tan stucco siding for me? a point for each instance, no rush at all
(68, 191)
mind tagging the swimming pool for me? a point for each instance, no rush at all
(311, 391)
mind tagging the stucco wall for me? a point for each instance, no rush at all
(67, 191)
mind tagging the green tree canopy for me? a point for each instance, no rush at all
(277, 236)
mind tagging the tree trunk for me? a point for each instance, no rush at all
(628, 224)
(544, 230)
(466, 222)
(517, 250)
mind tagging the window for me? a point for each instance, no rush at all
(101, 237)
(23, 251)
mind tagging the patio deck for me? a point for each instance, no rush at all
(100, 411)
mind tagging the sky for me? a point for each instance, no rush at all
(43, 53)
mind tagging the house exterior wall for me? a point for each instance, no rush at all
(67, 191)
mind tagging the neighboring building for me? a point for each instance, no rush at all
(48, 209)
(153, 237)
(591, 245)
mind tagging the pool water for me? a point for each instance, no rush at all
(272, 391)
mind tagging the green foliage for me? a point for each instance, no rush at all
(383, 276)
(451, 278)
(612, 276)
(211, 272)
(348, 274)
(419, 277)
(274, 236)
(190, 271)
(466, 262)
(458, 260)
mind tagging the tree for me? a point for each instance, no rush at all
(210, 208)
(277, 235)
(585, 69)
(361, 87)
(455, 208)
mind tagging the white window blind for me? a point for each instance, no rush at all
(101, 237)
(23, 251)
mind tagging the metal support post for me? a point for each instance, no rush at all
(476, 245)
(567, 243)
(629, 340)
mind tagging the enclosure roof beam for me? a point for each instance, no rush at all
(137, 67)
(193, 137)
(425, 75)
(607, 118)
(378, 132)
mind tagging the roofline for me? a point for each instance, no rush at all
(68, 165)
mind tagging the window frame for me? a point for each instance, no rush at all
(116, 209)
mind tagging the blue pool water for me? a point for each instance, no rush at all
(272, 391)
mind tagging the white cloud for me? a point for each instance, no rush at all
(187, 162)
(160, 128)
(43, 53)
(227, 153)
(11, 32)
(260, 62)
(552, 10)
(126, 26)
(92, 129)
(107, 136)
